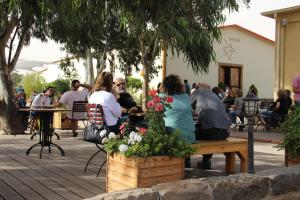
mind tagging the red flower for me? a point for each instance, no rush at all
(169, 99)
(123, 125)
(159, 107)
(142, 131)
(156, 99)
(152, 93)
(150, 104)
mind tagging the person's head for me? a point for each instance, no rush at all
(195, 85)
(216, 90)
(228, 92)
(75, 84)
(287, 93)
(239, 93)
(185, 81)
(281, 93)
(203, 86)
(49, 91)
(120, 85)
(104, 81)
(172, 85)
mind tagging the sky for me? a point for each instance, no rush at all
(249, 18)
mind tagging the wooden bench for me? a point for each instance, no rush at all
(229, 147)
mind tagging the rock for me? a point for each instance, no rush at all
(243, 186)
(134, 194)
(186, 189)
(283, 179)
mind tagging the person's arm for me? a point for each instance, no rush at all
(277, 105)
(57, 104)
(87, 86)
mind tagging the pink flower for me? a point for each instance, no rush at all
(169, 99)
(150, 104)
(156, 99)
(142, 131)
(159, 107)
(122, 126)
(152, 93)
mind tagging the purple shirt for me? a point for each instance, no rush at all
(296, 86)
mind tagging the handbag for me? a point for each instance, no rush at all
(95, 133)
(92, 133)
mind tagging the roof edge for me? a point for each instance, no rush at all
(282, 10)
(249, 32)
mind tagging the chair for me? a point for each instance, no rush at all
(265, 105)
(79, 107)
(96, 116)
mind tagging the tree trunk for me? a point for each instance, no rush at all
(89, 67)
(146, 69)
(9, 119)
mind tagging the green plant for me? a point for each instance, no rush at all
(222, 86)
(291, 129)
(33, 82)
(61, 85)
(134, 83)
(153, 141)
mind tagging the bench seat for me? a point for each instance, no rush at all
(229, 148)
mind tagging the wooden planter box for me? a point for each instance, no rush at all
(125, 173)
(291, 161)
(60, 121)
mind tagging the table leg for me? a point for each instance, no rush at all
(230, 162)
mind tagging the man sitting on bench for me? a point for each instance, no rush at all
(213, 122)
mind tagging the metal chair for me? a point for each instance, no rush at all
(96, 116)
(265, 105)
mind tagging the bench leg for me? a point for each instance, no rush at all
(230, 163)
(243, 156)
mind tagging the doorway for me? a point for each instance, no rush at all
(231, 76)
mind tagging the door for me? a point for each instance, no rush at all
(231, 76)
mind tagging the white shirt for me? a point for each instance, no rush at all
(111, 108)
(69, 97)
(41, 100)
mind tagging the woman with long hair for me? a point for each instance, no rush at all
(102, 94)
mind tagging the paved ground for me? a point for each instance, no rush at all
(57, 177)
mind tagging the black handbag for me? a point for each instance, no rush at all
(91, 133)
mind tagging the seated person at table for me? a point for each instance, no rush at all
(69, 97)
(282, 105)
(213, 120)
(237, 110)
(125, 100)
(228, 100)
(102, 94)
(180, 115)
(43, 99)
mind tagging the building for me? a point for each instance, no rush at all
(287, 45)
(242, 58)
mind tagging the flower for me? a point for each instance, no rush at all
(123, 148)
(159, 107)
(112, 135)
(103, 133)
(104, 140)
(152, 93)
(142, 131)
(138, 138)
(169, 99)
(156, 99)
(150, 104)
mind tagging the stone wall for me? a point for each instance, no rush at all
(275, 184)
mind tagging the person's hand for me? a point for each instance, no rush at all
(133, 110)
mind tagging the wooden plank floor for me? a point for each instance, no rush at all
(52, 177)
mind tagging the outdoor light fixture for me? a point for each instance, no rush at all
(251, 107)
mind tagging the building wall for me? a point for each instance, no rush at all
(288, 44)
(254, 54)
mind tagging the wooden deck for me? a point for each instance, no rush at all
(52, 177)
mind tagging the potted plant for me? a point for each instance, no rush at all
(141, 157)
(291, 140)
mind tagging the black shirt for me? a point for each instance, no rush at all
(126, 101)
(283, 107)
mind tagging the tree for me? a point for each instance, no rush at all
(16, 79)
(33, 82)
(183, 26)
(19, 21)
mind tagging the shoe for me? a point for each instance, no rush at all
(204, 164)
(75, 134)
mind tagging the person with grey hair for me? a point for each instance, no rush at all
(125, 100)
(213, 121)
